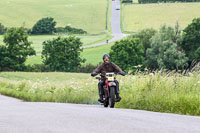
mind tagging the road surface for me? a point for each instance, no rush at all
(115, 25)
(30, 117)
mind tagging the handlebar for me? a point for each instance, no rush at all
(107, 74)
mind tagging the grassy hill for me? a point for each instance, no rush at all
(89, 15)
(139, 16)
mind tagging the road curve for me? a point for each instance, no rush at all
(115, 25)
(31, 117)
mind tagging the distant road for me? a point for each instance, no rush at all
(29, 117)
(115, 25)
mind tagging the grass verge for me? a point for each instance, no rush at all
(158, 91)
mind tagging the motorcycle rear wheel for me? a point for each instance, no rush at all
(106, 103)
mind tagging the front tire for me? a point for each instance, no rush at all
(112, 97)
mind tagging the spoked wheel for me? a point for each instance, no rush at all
(112, 97)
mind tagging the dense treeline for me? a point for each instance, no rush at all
(47, 26)
(168, 48)
(165, 1)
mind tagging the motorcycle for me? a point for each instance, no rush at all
(109, 89)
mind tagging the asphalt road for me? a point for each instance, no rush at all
(115, 25)
(28, 117)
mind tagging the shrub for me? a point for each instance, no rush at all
(88, 68)
(70, 30)
(37, 68)
(127, 1)
(2, 29)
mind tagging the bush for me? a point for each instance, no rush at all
(44, 26)
(165, 51)
(70, 30)
(87, 68)
(127, 1)
(127, 53)
(62, 54)
(37, 68)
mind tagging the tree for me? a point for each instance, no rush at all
(62, 54)
(145, 36)
(191, 40)
(2, 29)
(44, 26)
(165, 51)
(127, 53)
(16, 50)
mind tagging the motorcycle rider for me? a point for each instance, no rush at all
(107, 67)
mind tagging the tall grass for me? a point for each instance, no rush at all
(158, 91)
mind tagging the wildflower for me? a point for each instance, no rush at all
(151, 74)
(31, 91)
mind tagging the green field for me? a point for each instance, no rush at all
(92, 55)
(159, 91)
(87, 40)
(139, 16)
(89, 15)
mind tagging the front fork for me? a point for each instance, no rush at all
(106, 88)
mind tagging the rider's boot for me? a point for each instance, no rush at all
(118, 98)
(100, 98)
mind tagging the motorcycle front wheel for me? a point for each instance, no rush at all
(112, 97)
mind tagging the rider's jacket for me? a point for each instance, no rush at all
(107, 67)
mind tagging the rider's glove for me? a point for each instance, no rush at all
(122, 73)
(93, 74)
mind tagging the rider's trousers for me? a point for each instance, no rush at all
(102, 83)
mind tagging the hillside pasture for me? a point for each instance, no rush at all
(84, 14)
(140, 16)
